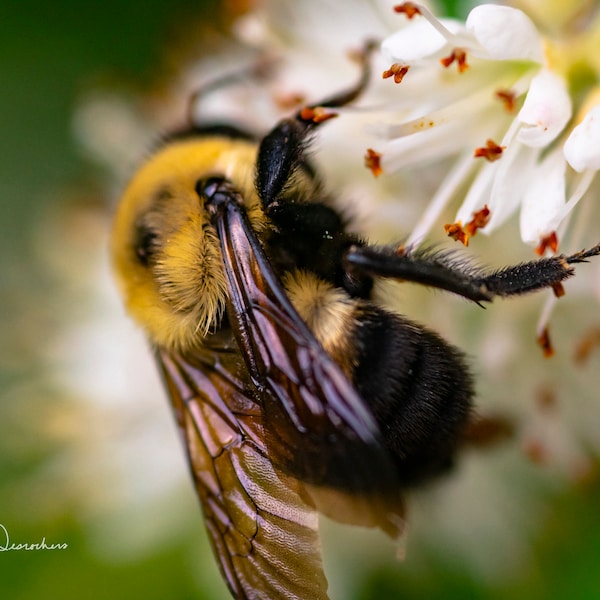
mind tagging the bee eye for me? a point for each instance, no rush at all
(146, 244)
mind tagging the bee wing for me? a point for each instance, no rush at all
(262, 532)
(316, 423)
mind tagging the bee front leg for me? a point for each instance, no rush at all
(281, 152)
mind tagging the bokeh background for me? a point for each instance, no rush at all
(89, 455)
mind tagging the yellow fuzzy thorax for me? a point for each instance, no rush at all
(178, 297)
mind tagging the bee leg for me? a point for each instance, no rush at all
(536, 274)
(443, 271)
(427, 268)
(281, 151)
(348, 96)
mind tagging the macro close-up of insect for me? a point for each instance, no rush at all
(300, 300)
(296, 389)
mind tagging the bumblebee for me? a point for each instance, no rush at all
(295, 390)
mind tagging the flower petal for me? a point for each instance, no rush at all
(514, 171)
(582, 148)
(505, 33)
(546, 111)
(417, 41)
(478, 194)
(544, 199)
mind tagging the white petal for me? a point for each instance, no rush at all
(544, 199)
(447, 189)
(582, 148)
(478, 194)
(506, 33)
(546, 110)
(418, 40)
(500, 183)
(424, 147)
(512, 176)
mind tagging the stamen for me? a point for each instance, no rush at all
(316, 114)
(457, 233)
(397, 71)
(373, 162)
(462, 234)
(410, 9)
(491, 151)
(548, 242)
(545, 343)
(459, 56)
(559, 290)
(508, 98)
(480, 219)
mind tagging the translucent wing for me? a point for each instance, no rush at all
(274, 430)
(316, 425)
(263, 534)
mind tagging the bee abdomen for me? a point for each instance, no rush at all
(417, 385)
(419, 389)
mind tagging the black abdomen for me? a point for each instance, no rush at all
(419, 389)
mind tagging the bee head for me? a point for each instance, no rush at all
(166, 253)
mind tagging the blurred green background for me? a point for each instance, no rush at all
(50, 53)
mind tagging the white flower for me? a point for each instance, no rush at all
(546, 110)
(582, 148)
(501, 86)
(543, 202)
(501, 56)
(490, 32)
